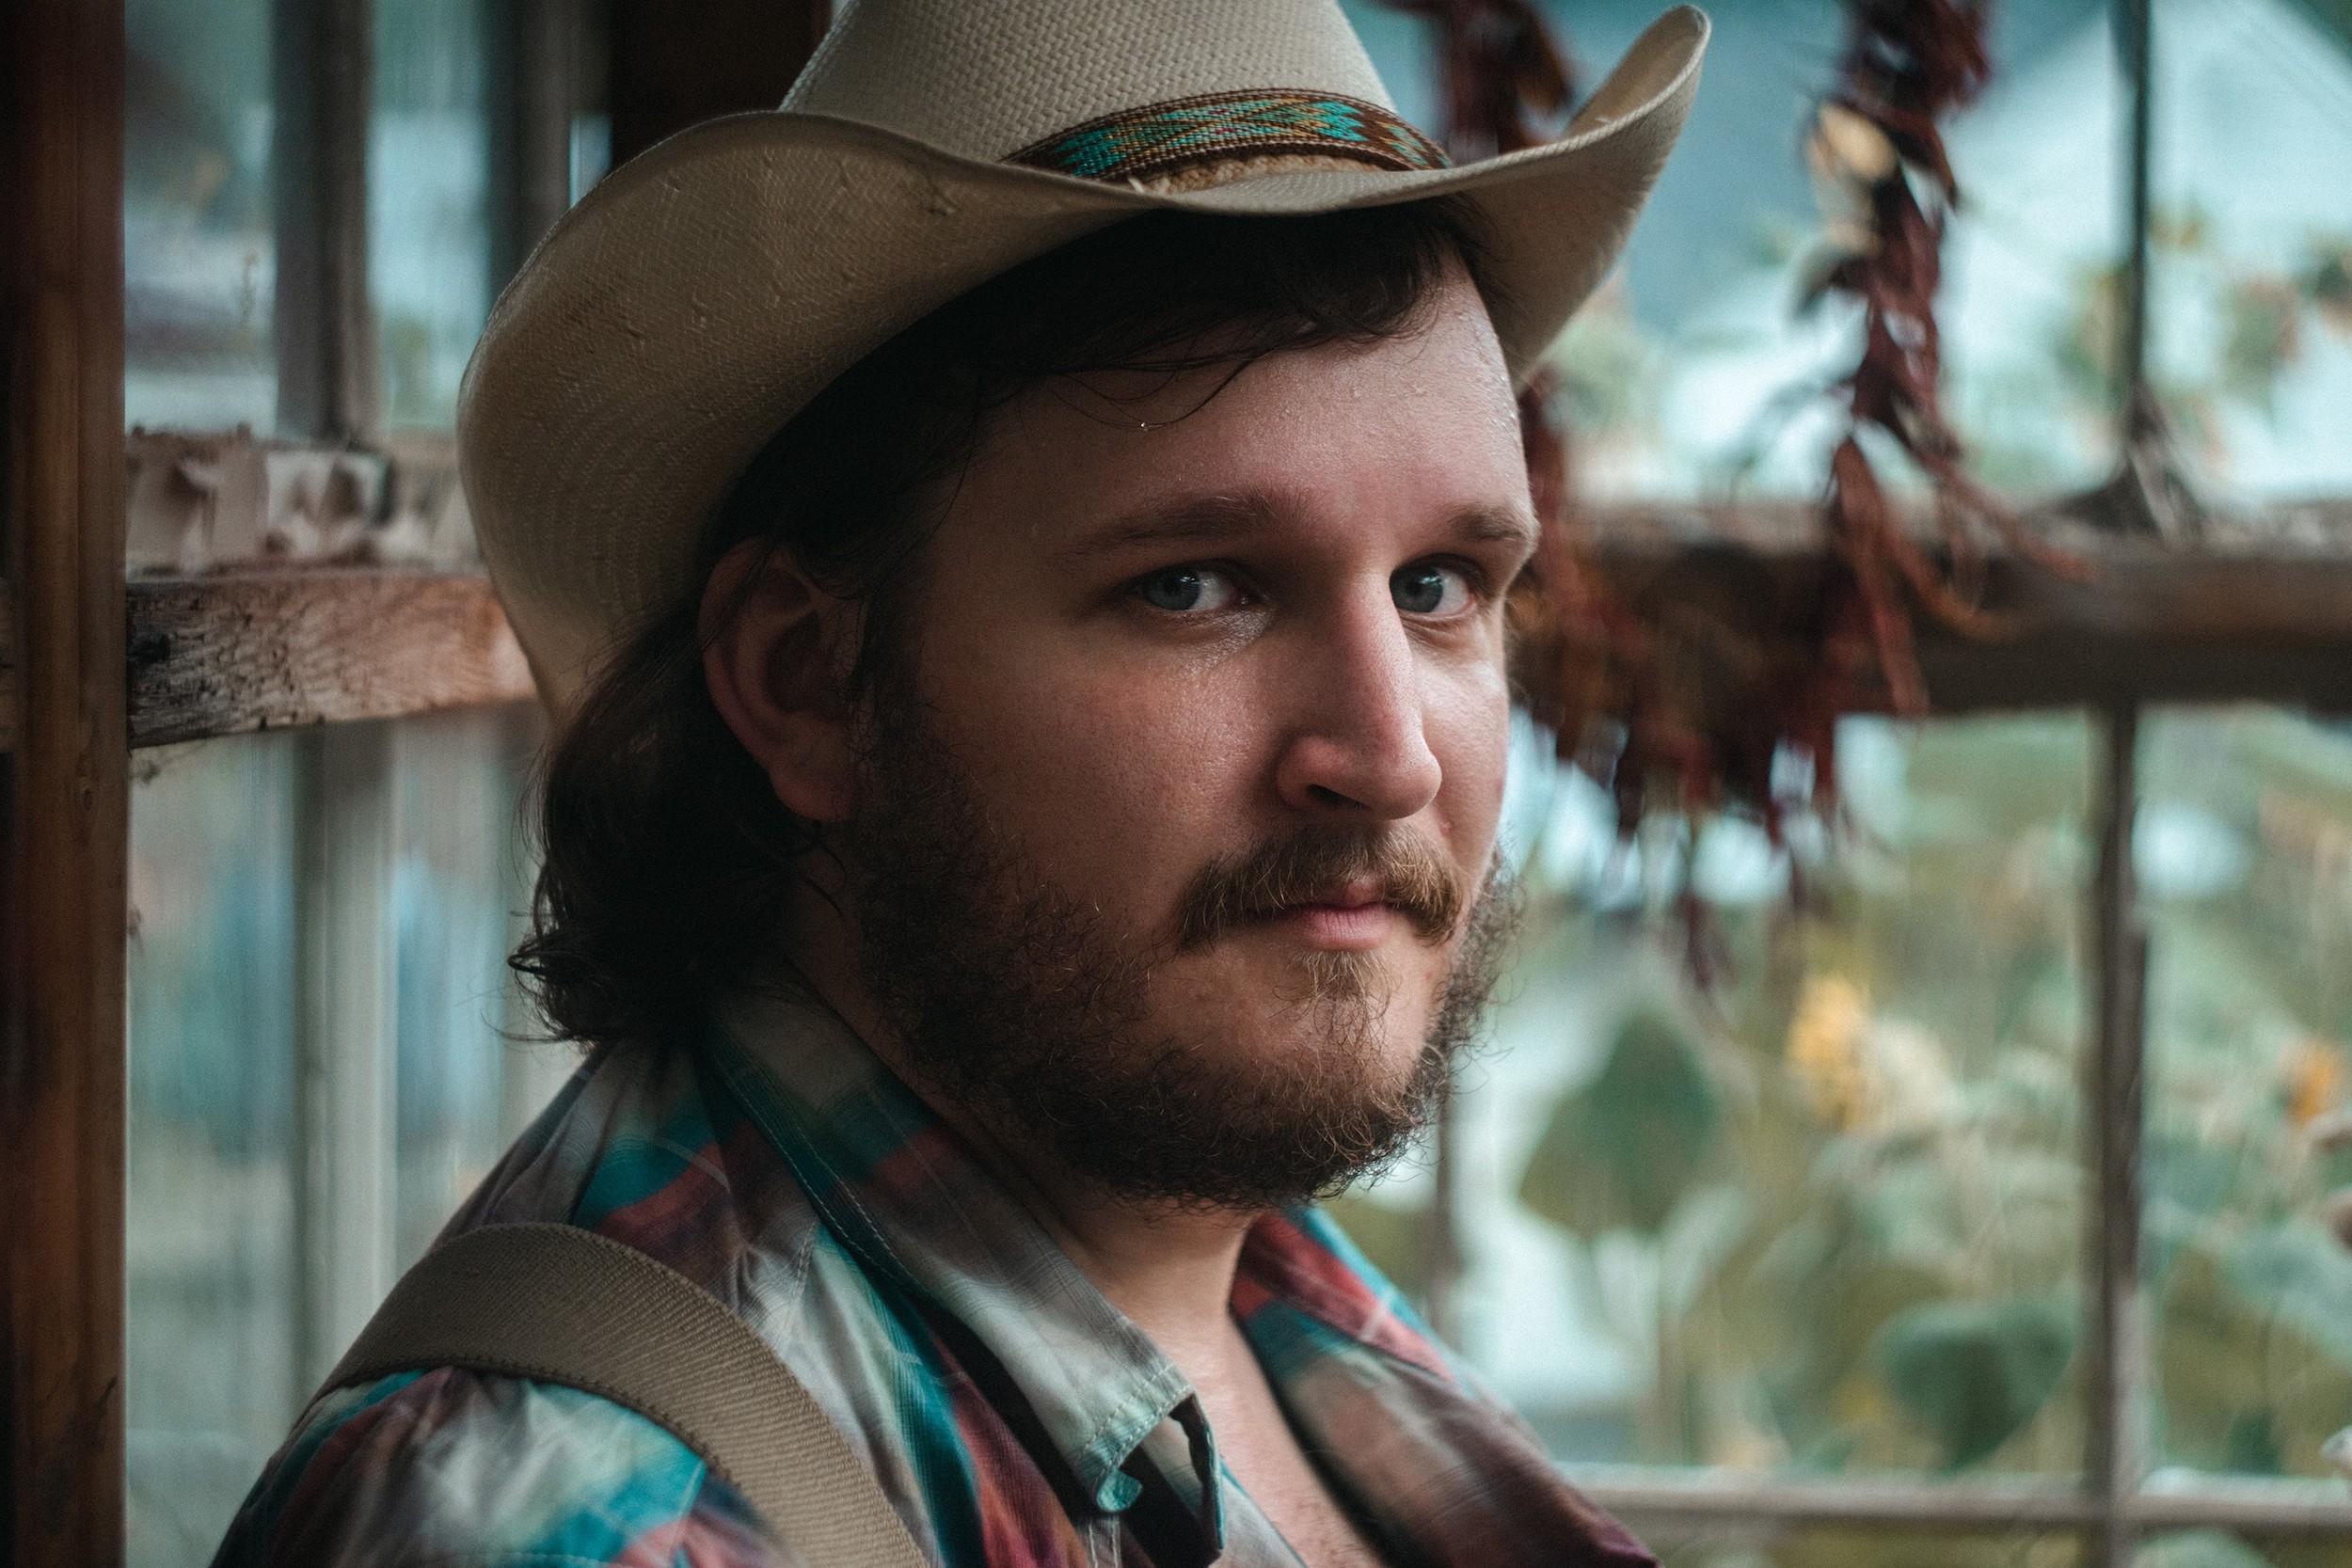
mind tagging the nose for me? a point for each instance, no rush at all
(1358, 747)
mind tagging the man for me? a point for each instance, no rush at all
(1018, 546)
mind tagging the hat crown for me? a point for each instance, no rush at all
(987, 78)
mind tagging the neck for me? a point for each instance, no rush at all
(1170, 1270)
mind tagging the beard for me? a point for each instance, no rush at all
(1020, 1002)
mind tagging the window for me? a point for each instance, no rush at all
(1985, 1208)
(320, 1054)
(1988, 1211)
(320, 1069)
(198, 201)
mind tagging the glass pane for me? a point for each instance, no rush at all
(1393, 1218)
(209, 1384)
(2244, 856)
(1766, 1546)
(200, 251)
(1828, 1217)
(428, 215)
(2251, 308)
(458, 891)
(1680, 372)
(215, 1256)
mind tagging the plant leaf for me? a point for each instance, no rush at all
(1621, 1150)
(1974, 1373)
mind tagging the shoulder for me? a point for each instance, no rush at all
(642, 1146)
(454, 1467)
(450, 1466)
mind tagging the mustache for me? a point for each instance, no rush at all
(1411, 875)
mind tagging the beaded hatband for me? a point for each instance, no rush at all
(1151, 143)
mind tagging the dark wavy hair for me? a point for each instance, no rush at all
(666, 856)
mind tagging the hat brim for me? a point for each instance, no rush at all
(705, 292)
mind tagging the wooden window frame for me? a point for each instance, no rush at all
(64, 784)
(92, 666)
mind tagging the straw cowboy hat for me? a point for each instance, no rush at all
(705, 292)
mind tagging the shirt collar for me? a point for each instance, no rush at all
(908, 1198)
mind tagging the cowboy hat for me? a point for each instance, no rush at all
(705, 292)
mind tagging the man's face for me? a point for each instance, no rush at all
(1219, 686)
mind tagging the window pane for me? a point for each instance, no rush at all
(428, 215)
(2245, 857)
(458, 890)
(200, 249)
(1391, 1217)
(1829, 1218)
(217, 1264)
(209, 1384)
(1680, 372)
(2251, 303)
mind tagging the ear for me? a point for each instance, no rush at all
(772, 652)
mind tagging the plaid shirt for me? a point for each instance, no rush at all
(1013, 1417)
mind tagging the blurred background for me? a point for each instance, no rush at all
(1841, 1249)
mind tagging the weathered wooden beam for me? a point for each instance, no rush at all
(64, 791)
(2259, 609)
(263, 648)
(1778, 527)
(228, 654)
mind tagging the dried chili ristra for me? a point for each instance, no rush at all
(1876, 150)
(1696, 704)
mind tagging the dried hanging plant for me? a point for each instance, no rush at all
(1688, 695)
(1506, 78)
(1887, 188)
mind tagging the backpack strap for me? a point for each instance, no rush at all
(557, 1304)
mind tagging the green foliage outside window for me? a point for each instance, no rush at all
(1833, 1218)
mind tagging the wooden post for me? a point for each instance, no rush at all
(64, 791)
(321, 80)
(675, 63)
(2115, 1353)
(533, 48)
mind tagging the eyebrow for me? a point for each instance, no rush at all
(1496, 525)
(1204, 519)
(1211, 519)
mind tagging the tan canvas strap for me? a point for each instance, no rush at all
(561, 1304)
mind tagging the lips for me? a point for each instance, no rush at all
(1350, 919)
(1353, 894)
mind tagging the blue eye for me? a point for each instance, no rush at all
(1422, 589)
(1188, 590)
(1179, 590)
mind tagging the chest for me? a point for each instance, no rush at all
(1273, 1461)
(998, 1494)
(1295, 1498)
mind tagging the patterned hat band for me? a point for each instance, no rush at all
(1149, 144)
